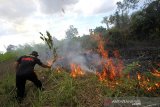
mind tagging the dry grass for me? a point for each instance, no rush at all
(61, 90)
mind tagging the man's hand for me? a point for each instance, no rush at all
(46, 66)
(49, 63)
(49, 66)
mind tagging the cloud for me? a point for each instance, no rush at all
(20, 17)
(16, 9)
(55, 6)
(107, 6)
(86, 7)
(6, 27)
(90, 7)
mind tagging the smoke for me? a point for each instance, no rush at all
(70, 52)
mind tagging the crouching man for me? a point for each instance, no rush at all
(25, 71)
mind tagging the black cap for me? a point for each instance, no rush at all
(34, 53)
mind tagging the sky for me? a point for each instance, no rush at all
(22, 20)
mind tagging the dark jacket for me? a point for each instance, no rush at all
(27, 64)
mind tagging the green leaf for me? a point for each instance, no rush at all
(42, 38)
(41, 33)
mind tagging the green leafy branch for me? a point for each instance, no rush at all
(48, 40)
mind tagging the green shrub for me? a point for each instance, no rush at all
(7, 56)
(117, 37)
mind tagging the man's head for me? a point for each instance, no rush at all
(34, 53)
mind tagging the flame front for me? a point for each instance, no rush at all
(139, 76)
(76, 70)
(155, 72)
(143, 82)
(111, 69)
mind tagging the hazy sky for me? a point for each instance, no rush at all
(22, 20)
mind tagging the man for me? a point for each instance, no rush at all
(25, 71)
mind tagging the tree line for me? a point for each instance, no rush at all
(129, 23)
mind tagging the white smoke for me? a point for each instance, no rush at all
(71, 52)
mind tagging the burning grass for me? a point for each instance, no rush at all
(61, 89)
(76, 87)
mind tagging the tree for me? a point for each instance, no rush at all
(120, 7)
(99, 29)
(112, 19)
(123, 9)
(91, 31)
(106, 21)
(127, 5)
(145, 24)
(117, 20)
(146, 3)
(71, 32)
(49, 41)
(10, 48)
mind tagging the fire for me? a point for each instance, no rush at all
(156, 86)
(76, 70)
(49, 62)
(138, 76)
(59, 69)
(155, 72)
(102, 75)
(111, 68)
(120, 65)
(143, 82)
(101, 49)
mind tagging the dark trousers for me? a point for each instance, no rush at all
(21, 81)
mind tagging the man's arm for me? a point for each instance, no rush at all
(45, 66)
(42, 64)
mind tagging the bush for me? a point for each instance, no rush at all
(7, 56)
(118, 38)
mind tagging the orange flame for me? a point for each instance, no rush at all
(120, 65)
(143, 83)
(76, 70)
(49, 62)
(156, 86)
(139, 76)
(59, 69)
(155, 72)
(110, 68)
(102, 76)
